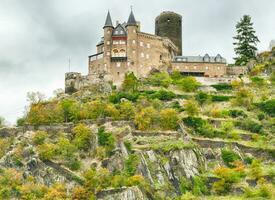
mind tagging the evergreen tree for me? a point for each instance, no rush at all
(246, 41)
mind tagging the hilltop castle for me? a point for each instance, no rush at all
(125, 48)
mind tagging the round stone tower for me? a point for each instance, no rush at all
(169, 24)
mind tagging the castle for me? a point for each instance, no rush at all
(125, 48)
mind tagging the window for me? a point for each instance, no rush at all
(141, 44)
(128, 64)
(122, 53)
(195, 67)
(148, 46)
(108, 53)
(160, 57)
(121, 32)
(186, 67)
(108, 42)
(116, 32)
(118, 64)
(218, 67)
(142, 55)
(118, 73)
(134, 42)
(134, 31)
(206, 68)
(115, 53)
(108, 31)
(134, 51)
(141, 66)
(122, 42)
(147, 56)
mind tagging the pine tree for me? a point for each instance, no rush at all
(246, 41)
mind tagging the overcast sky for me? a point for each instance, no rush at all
(37, 37)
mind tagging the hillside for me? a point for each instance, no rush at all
(164, 137)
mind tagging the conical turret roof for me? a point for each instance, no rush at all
(131, 20)
(108, 22)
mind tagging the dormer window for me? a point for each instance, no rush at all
(206, 58)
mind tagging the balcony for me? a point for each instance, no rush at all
(119, 59)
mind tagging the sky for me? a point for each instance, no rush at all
(38, 37)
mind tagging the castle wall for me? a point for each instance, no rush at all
(207, 69)
(236, 70)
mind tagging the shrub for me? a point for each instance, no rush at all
(70, 110)
(258, 81)
(47, 151)
(130, 83)
(82, 137)
(229, 157)
(45, 113)
(116, 97)
(146, 118)
(126, 110)
(39, 137)
(99, 109)
(168, 119)
(106, 139)
(199, 186)
(185, 185)
(191, 107)
(222, 86)
(194, 122)
(188, 84)
(160, 79)
(219, 98)
(250, 125)
(227, 177)
(163, 95)
(268, 107)
(236, 113)
(263, 190)
(201, 97)
(244, 97)
(131, 164)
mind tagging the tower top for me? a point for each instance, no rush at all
(131, 20)
(108, 22)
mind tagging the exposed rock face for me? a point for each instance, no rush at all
(169, 167)
(124, 193)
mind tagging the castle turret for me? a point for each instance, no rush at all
(108, 30)
(132, 28)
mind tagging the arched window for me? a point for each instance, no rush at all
(122, 53)
(115, 53)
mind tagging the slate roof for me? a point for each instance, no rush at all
(101, 41)
(131, 20)
(200, 59)
(120, 30)
(108, 22)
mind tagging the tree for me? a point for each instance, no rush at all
(246, 41)
(35, 97)
(188, 84)
(130, 83)
(82, 137)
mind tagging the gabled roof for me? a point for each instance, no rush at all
(200, 59)
(119, 30)
(131, 20)
(108, 22)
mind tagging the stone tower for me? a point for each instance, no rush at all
(132, 40)
(169, 24)
(108, 30)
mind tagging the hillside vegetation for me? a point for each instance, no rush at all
(164, 137)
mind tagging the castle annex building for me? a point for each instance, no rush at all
(124, 48)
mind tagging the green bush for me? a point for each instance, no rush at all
(116, 97)
(39, 137)
(126, 110)
(229, 157)
(168, 119)
(131, 164)
(82, 137)
(236, 113)
(201, 97)
(159, 79)
(268, 107)
(163, 95)
(185, 185)
(130, 83)
(199, 186)
(106, 139)
(194, 122)
(47, 151)
(222, 86)
(250, 125)
(219, 98)
(188, 84)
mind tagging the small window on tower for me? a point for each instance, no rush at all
(141, 44)
(134, 42)
(118, 73)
